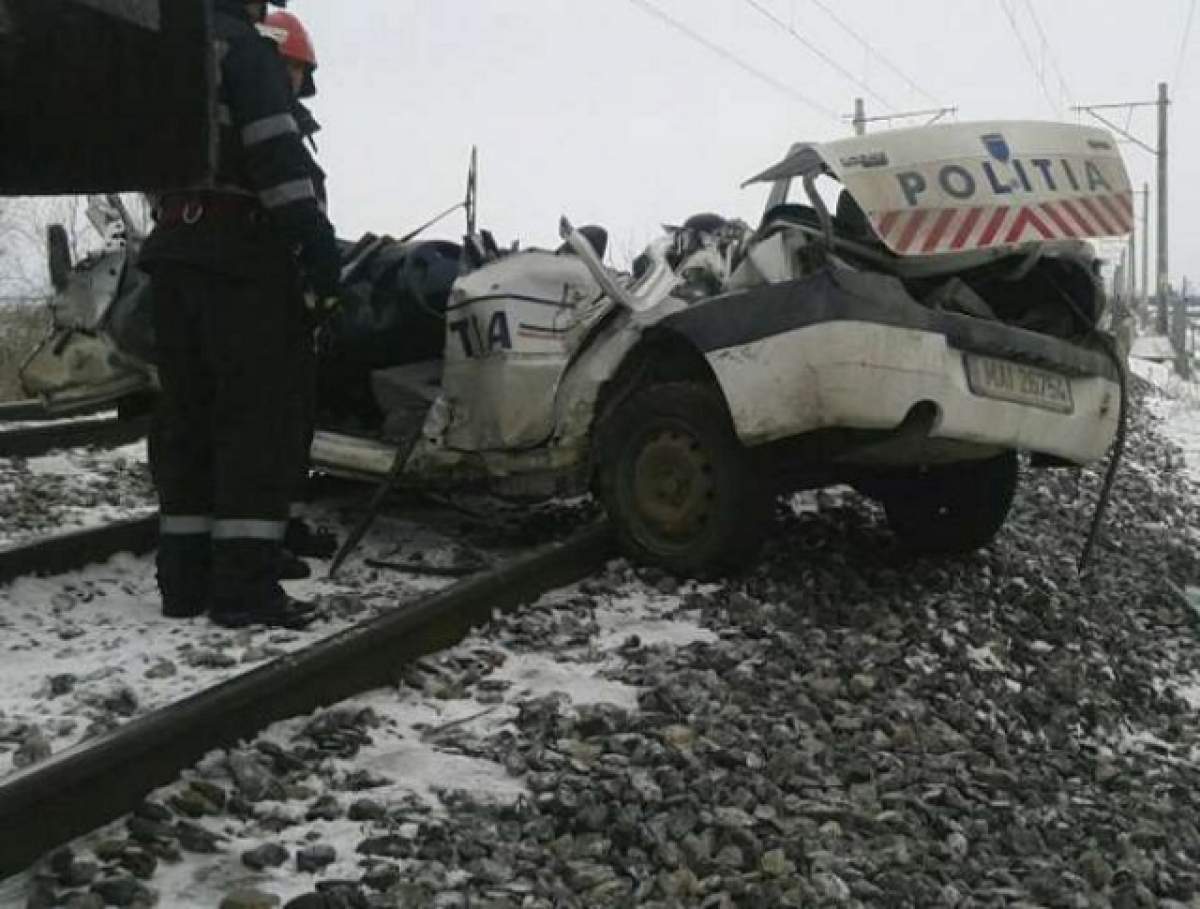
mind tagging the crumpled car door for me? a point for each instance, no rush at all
(102, 343)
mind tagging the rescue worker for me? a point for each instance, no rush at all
(233, 264)
(300, 58)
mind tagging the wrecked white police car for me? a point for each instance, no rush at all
(940, 319)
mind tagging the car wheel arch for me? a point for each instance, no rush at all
(661, 355)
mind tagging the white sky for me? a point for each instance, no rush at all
(599, 110)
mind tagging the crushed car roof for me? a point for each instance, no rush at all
(953, 188)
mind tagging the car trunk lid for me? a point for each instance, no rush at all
(963, 187)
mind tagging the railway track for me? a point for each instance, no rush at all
(63, 552)
(92, 784)
(103, 432)
(32, 410)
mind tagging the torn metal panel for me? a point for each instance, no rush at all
(802, 159)
(74, 368)
(90, 293)
(770, 261)
(644, 294)
(340, 453)
(511, 327)
(526, 350)
(579, 394)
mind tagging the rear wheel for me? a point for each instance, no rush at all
(677, 483)
(951, 508)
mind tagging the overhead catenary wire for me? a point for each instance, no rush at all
(1029, 58)
(816, 51)
(1183, 45)
(737, 61)
(1048, 51)
(873, 51)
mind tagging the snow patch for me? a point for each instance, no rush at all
(101, 629)
(985, 658)
(536, 675)
(654, 620)
(1190, 692)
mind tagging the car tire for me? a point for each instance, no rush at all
(677, 484)
(951, 508)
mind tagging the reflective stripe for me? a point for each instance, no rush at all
(285, 193)
(269, 128)
(228, 189)
(184, 524)
(233, 190)
(220, 51)
(248, 529)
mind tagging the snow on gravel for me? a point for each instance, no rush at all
(1177, 405)
(71, 490)
(415, 758)
(84, 652)
(843, 725)
(421, 769)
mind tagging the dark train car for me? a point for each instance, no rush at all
(104, 95)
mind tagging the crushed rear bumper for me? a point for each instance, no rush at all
(849, 350)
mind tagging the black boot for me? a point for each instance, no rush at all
(184, 567)
(278, 611)
(246, 591)
(303, 540)
(292, 567)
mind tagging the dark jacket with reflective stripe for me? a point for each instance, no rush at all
(261, 157)
(309, 127)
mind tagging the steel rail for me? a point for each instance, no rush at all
(34, 410)
(32, 441)
(76, 549)
(92, 784)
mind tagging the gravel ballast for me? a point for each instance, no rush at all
(68, 490)
(844, 725)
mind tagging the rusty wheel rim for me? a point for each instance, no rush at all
(673, 488)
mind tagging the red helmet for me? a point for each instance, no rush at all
(294, 43)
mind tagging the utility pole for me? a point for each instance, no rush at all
(1120, 281)
(1131, 269)
(1179, 333)
(1163, 276)
(1162, 282)
(860, 119)
(1145, 242)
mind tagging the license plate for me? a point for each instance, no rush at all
(1008, 381)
